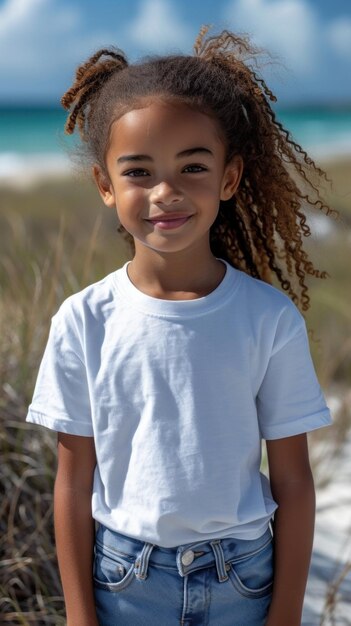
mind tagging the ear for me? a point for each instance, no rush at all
(231, 177)
(104, 186)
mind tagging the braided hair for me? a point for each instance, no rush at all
(260, 229)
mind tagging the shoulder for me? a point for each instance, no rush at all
(269, 311)
(266, 295)
(91, 304)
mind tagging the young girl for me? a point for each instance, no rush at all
(163, 378)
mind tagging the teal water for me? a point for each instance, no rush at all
(32, 130)
(319, 128)
(38, 133)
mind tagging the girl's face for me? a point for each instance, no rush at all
(167, 170)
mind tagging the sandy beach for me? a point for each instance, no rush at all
(329, 585)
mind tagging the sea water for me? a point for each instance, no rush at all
(32, 139)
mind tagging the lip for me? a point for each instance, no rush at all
(169, 221)
(164, 217)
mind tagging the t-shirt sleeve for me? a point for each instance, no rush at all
(290, 400)
(61, 395)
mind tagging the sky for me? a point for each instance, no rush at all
(43, 41)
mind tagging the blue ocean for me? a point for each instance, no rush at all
(32, 139)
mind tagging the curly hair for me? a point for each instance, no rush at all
(260, 229)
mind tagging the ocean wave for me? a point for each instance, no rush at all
(23, 170)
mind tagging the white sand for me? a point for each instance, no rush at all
(332, 544)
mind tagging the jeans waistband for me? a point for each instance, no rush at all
(185, 558)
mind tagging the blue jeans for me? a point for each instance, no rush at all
(225, 582)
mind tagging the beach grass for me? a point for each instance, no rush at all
(56, 237)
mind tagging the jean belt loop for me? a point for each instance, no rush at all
(220, 562)
(142, 561)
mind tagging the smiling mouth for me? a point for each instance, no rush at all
(168, 222)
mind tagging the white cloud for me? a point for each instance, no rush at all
(287, 28)
(16, 11)
(339, 35)
(158, 27)
(41, 43)
(30, 32)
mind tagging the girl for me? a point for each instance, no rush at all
(162, 378)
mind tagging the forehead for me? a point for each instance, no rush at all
(165, 123)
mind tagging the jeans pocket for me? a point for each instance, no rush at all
(112, 570)
(252, 575)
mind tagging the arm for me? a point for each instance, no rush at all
(74, 526)
(293, 490)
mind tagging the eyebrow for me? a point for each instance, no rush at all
(145, 157)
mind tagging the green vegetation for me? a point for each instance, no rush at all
(56, 237)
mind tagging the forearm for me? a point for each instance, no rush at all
(74, 533)
(293, 539)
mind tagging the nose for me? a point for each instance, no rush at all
(166, 193)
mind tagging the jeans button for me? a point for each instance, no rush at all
(187, 557)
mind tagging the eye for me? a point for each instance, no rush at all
(194, 169)
(136, 173)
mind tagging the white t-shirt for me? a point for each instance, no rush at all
(177, 395)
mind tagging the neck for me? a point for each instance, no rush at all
(175, 276)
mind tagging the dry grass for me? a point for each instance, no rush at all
(44, 259)
(55, 239)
